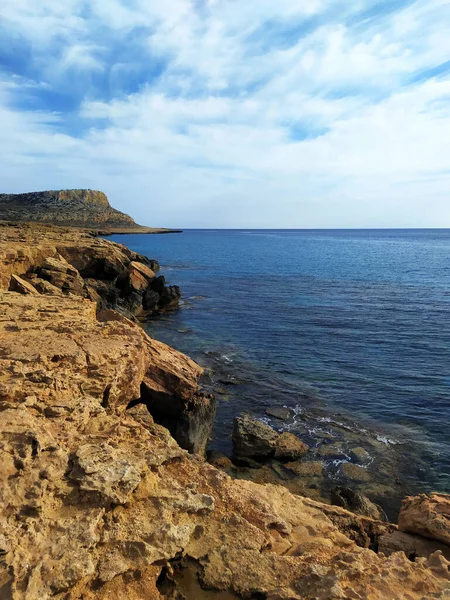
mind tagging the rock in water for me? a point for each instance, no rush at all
(256, 441)
(289, 447)
(253, 439)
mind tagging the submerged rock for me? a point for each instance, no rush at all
(280, 412)
(354, 472)
(289, 447)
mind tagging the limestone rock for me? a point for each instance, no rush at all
(288, 447)
(427, 515)
(59, 261)
(135, 278)
(412, 545)
(170, 297)
(98, 501)
(102, 469)
(151, 299)
(17, 284)
(60, 274)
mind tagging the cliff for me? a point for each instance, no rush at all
(98, 500)
(87, 209)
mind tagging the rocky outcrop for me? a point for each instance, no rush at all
(254, 440)
(428, 516)
(88, 209)
(52, 260)
(99, 501)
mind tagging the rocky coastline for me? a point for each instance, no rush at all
(105, 490)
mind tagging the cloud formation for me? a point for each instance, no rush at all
(223, 113)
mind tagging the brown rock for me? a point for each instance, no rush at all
(17, 284)
(306, 469)
(412, 545)
(289, 447)
(142, 269)
(354, 472)
(135, 278)
(107, 472)
(427, 515)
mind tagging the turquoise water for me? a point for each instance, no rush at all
(346, 327)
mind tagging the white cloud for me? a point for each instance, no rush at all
(255, 120)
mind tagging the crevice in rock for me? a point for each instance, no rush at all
(188, 421)
(106, 394)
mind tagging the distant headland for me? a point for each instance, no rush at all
(83, 208)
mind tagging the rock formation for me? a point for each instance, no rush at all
(55, 261)
(88, 209)
(98, 500)
(427, 516)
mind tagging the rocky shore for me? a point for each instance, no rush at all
(105, 491)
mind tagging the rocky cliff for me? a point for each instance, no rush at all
(88, 209)
(97, 498)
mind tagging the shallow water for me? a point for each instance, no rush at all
(349, 328)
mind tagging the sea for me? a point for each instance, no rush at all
(350, 329)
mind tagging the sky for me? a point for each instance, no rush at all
(232, 113)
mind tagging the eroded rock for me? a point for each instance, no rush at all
(106, 471)
(427, 515)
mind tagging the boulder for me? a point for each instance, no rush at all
(135, 278)
(143, 269)
(170, 297)
(150, 299)
(45, 287)
(426, 515)
(58, 264)
(289, 447)
(253, 439)
(356, 502)
(158, 284)
(17, 284)
(62, 275)
(412, 545)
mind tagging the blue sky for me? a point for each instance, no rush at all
(231, 113)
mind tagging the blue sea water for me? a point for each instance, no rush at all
(348, 327)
